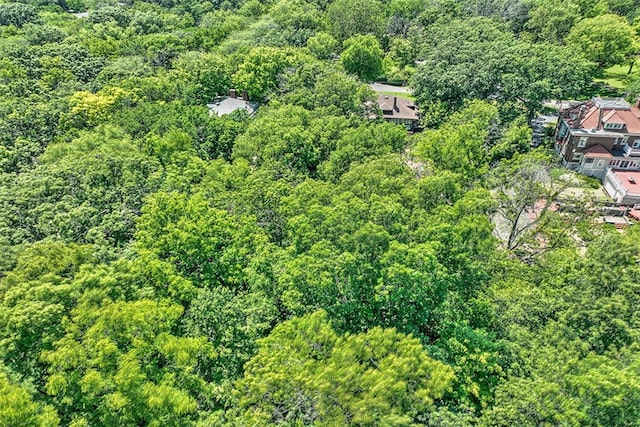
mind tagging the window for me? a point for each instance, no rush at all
(582, 142)
(589, 160)
(600, 164)
(576, 157)
(613, 125)
(636, 143)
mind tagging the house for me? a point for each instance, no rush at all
(598, 135)
(399, 110)
(623, 186)
(228, 104)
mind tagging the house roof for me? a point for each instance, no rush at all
(394, 107)
(593, 114)
(630, 180)
(226, 105)
(613, 117)
(597, 151)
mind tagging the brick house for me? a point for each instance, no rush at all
(598, 135)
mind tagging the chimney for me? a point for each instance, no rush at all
(600, 112)
(395, 103)
(577, 123)
(233, 93)
(245, 95)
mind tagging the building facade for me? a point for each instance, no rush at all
(598, 135)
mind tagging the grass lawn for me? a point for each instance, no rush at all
(399, 95)
(617, 76)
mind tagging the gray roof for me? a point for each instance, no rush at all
(226, 105)
(611, 103)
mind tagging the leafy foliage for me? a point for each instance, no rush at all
(312, 263)
(305, 373)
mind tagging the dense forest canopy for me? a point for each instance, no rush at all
(311, 264)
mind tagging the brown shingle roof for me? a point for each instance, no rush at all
(394, 107)
(597, 151)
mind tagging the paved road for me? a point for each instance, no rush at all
(381, 87)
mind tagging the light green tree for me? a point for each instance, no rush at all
(258, 72)
(362, 55)
(120, 363)
(307, 374)
(17, 408)
(606, 39)
(322, 45)
(459, 145)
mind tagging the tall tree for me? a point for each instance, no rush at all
(606, 39)
(363, 56)
(524, 186)
(459, 145)
(17, 408)
(305, 373)
(116, 367)
(479, 59)
(348, 18)
(551, 21)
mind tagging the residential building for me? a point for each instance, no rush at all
(623, 186)
(399, 110)
(598, 135)
(228, 104)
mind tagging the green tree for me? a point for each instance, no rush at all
(96, 203)
(479, 59)
(232, 322)
(606, 40)
(322, 45)
(259, 70)
(348, 18)
(360, 143)
(207, 74)
(116, 367)
(17, 408)
(205, 244)
(363, 56)
(297, 19)
(34, 297)
(459, 144)
(289, 140)
(551, 21)
(17, 14)
(305, 373)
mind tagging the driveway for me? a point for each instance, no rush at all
(382, 87)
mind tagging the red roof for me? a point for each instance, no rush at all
(629, 180)
(597, 151)
(613, 111)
